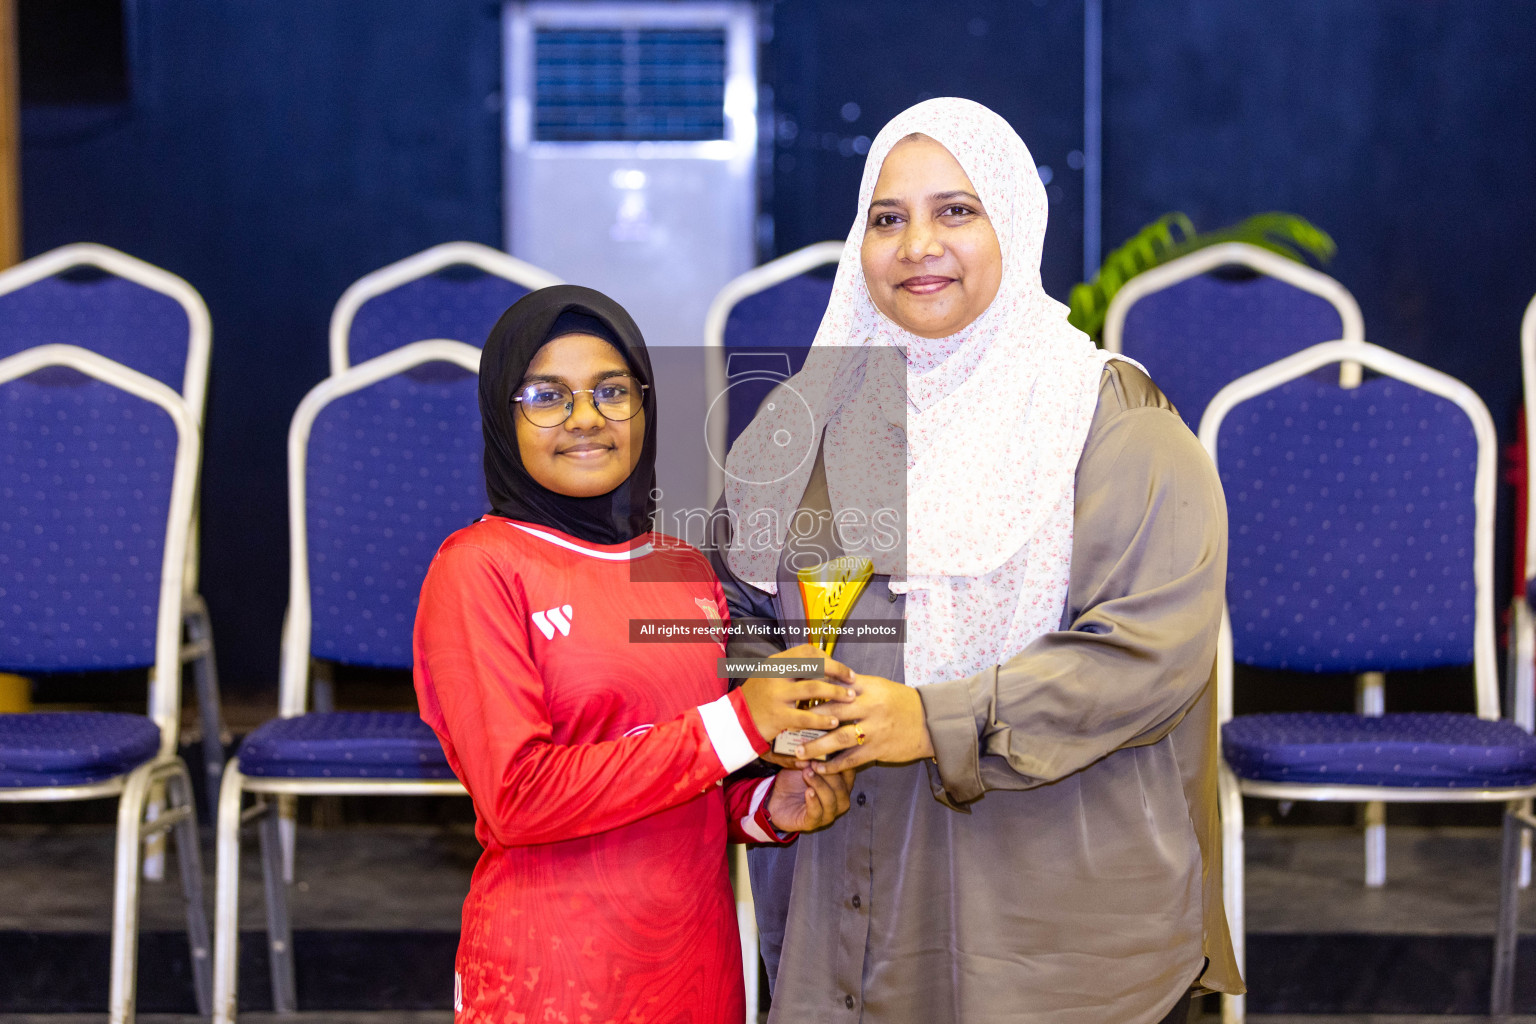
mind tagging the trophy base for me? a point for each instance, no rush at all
(786, 741)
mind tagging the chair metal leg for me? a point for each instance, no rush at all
(1520, 675)
(1506, 936)
(154, 844)
(205, 676)
(138, 824)
(1524, 877)
(1371, 699)
(279, 926)
(125, 895)
(226, 954)
(1375, 844)
(288, 831)
(746, 924)
(1233, 1008)
(189, 856)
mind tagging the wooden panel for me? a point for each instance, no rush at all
(10, 138)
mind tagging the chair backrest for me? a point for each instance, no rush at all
(1360, 520)
(457, 291)
(384, 462)
(772, 311)
(1196, 327)
(106, 301)
(98, 466)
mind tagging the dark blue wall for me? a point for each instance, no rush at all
(272, 153)
(1022, 58)
(275, 151)
(1406, 130)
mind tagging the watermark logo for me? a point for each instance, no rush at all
(748, 374)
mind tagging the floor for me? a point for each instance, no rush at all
(406, 883)
(445, 1017)
(397, 877)
(1303, 881)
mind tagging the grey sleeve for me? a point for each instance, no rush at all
(746, 603)
(1144, 606)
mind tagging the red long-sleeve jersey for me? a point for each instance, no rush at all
(595, 764)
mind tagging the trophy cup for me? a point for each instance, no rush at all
(828, 592)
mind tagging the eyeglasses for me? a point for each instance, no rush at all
(549, 403)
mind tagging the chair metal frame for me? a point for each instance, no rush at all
(1370, 695)
(194, 386)
(138, 821)
(1522, 641)
(1226, 254)
(276, 836)
(758, 279)
(1485, 661)
(198, 648)
(1520, 672)
(428, 261)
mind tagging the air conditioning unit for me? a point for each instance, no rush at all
(631, 151)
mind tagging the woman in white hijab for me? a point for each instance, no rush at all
(1033, 835)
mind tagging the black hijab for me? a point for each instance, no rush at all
(537, 318)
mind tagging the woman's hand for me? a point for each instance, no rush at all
(889, 717)
(772, 700)
(803, 801)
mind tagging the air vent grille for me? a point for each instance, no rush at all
(629, 85)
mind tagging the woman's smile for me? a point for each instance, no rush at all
(586, 450)
(927, 284)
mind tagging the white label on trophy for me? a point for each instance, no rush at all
(786, 741)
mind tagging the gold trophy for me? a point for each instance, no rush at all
(828, 592)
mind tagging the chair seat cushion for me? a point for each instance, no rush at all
(72, 748)
(345, 745)
(1413, 750)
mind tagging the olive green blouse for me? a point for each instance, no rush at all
(1059, 862)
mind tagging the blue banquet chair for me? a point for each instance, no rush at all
(1201, 321)
(1360, 524)
(756, 333)
(384, 462)
(151, 321)
(1197, 328)
(98, 469)
(455, 291)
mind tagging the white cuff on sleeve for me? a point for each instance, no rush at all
(726, 734)
(749, 823)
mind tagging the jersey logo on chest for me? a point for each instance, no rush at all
(552, 619)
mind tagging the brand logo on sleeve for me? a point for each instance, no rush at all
(712, 613)
(710, 609)
(552, 619)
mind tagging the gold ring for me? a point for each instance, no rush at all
(859, 733)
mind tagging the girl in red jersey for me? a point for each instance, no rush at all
(596, 760)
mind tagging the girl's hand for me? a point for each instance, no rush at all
(772, 700)
(803, 801)
(889, 717)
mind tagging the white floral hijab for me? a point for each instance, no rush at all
(969, 444)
